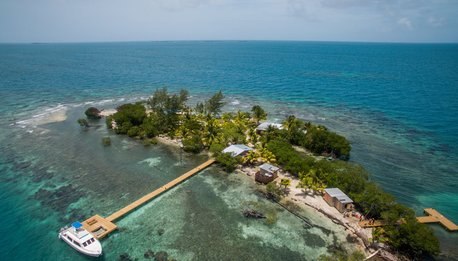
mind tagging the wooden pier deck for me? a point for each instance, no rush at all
(433, 216)
(375, 223)
(101, 227)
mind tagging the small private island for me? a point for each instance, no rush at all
(297, 164)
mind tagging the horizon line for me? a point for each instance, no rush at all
(230, 40)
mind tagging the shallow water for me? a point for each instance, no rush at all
(74, 176)
(395, 102)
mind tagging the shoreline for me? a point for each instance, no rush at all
(295, 195)
(361, 237)
(316, 203)
(310, 202)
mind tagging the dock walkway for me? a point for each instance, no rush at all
(100, 227)
(433, 216)
(368, 223)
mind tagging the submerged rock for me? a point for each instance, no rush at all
(22, 165)
(93, 113)
(42, 174)
(161, 256)
(249, 213)
(160, 231)
(58, 199)
(125, 257)
(148, 254)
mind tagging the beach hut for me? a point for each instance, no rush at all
(336, 198)
(265, 125)
(267, 173)
(237, 150)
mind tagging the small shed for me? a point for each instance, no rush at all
(265, 125)
(336, 198)
(267, 173)
(237, 150)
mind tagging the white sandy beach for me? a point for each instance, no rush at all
(317, 203)
(107, 112)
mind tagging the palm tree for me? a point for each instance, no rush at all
(211, 131)
(311, 181)
(258, 113)
(250, 158)
(285, 183)
(253, 136)
(292, 126)
(267, 156)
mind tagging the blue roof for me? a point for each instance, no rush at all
(77, 224)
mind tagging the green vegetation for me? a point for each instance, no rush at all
(166, 109)
(193, 144)
(320, 140)
(274, 191)
(285, 183)
(128, 119)
(93, 113)
(408, 236)
(214, 104)
(227, 162)
(291, 160)
(258, 113)
(201, 128)
(83, 123)
(271, 217)
(106, 141)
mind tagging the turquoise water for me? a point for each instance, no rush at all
(397, 103)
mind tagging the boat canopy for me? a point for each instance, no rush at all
(77, 225)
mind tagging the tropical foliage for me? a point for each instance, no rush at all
(92, 113)
(202, 128)
(83, 123)
(227, 162)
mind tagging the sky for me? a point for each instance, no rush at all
(157, 20)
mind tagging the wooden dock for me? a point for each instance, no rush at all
(368, 223)
(101, 227)
(433, 216)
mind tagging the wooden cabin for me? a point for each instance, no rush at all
(336, 198)
(267, 173)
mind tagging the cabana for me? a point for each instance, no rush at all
(267, 173)
(336, 198)
(237, 150)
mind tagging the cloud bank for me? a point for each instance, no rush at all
(323, 20)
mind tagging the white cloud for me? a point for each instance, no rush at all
(436, 22)
(405, 22)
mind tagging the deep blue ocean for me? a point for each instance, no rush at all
(397, 103)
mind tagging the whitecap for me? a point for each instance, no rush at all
(235, 102)
(152, 162)
(45, 116)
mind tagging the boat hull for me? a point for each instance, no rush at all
(80, 249)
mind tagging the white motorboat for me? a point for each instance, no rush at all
(81, 240)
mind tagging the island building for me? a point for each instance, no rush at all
(265, 125)
(267, 173)
(336, 198)
(237, 150)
